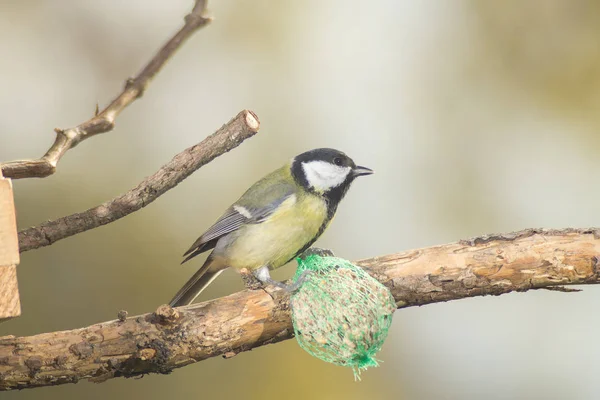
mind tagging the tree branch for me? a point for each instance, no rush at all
(104, 121)
(171, 338)
(231, 135)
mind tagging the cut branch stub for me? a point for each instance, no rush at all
(9, 253)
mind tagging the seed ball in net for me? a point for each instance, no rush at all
(340, 313)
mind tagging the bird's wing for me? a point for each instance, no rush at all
(272, 191)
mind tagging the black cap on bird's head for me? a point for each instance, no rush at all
(327, 172)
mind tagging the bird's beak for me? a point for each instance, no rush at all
(359, 171)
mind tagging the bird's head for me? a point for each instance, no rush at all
(326, 172)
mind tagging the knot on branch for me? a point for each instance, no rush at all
(34, 364)
(146, 354)
(151, 357)
(82, 349)
(165, 315)
(122, 315)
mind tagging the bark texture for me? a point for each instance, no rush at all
(490, 265)
(170, 338)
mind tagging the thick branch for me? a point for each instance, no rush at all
(172, 338)
(104, 120)
(231, 135)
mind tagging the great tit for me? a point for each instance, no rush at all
(277, 219)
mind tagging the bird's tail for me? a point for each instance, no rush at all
(196, 284)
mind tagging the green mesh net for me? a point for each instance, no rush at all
(340, 313)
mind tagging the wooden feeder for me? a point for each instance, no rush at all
(10, 306)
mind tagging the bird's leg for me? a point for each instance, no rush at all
(263, 275)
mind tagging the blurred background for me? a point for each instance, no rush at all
(478, 117)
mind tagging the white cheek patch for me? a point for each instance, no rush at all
(323, 176)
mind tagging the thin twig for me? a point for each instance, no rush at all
(229, 136)
(172, 338)
(104, 121)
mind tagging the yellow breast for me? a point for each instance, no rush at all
(273, 242)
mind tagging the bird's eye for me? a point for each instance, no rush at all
(338, 161)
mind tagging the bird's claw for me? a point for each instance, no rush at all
(316, 251)
(260, 278)
(304, 275)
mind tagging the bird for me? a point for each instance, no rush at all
(274, 221)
